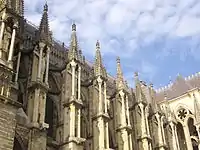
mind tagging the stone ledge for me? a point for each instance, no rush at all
(103, 115)
(38, 84)
(76, 140)
(73, 100)
(127, 128)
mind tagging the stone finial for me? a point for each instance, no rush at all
(73, 49)
(120, 79)
(151, 85)
(44, 31)
(97, 45)
(98, 65)
(73, 27)
(46, 7)
(136, 74)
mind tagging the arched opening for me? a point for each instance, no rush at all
(84, 117)
(195, 144)
(111, 139)
(84, 127)
(51, 117)
(192, 128)
(18, 143)
(181, 137)
(193, 132)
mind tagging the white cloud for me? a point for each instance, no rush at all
(122, 26)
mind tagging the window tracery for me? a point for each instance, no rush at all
(182, 113)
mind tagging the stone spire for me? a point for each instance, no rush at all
(99, 69)
(196, 109)
(153, 101)
(44, 31)
(139, 94)
(73, 50)
(120, 79)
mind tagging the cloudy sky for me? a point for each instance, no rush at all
(157, 38)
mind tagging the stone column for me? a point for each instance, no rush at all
(17, 68)
(107, 136)
(40, 62)
(47, 66)
(42, 107)
(162, 130)
(187, 137)
(101, 133)
(147, 127)
(174, 142)
(143, 128)
(79, 83)
(36, 106)
(1, 36)
(79, 123)
(2, 32)
(147, 123)
(130, 142)
(127, 111)
(106, 124)
(125, 140)
(11, 50)
(73, 64)
(99, 80)
(177, 143)
(105, 98)
(123, 116)
(72, 120)
(159, 132)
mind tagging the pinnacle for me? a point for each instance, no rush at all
(46, 7)
(118, 60)
(136, 74)
(44, 32)
(97, 44)
(73, 27)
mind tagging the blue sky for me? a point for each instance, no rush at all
(157, 38)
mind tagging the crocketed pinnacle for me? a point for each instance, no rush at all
(153, 101)
(44, 32)
(120, 79)
(73, 50)
(99, 69)
(139, 93)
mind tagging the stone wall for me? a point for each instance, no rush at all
(7, 126)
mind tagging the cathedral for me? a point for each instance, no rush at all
(52, 98)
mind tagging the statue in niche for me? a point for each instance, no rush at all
(43, 64)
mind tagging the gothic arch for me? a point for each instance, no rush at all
(18, 142)
(51, 116)
(53, 81)
(184, 114)
(182, 106)
(84, 116)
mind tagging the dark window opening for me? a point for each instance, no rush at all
(49, 116)
(17, 145)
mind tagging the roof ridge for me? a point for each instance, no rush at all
(187, 78)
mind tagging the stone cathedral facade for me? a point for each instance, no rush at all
(52, 98)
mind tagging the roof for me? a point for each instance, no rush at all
(180, 86)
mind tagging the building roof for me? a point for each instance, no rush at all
(177, 88)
